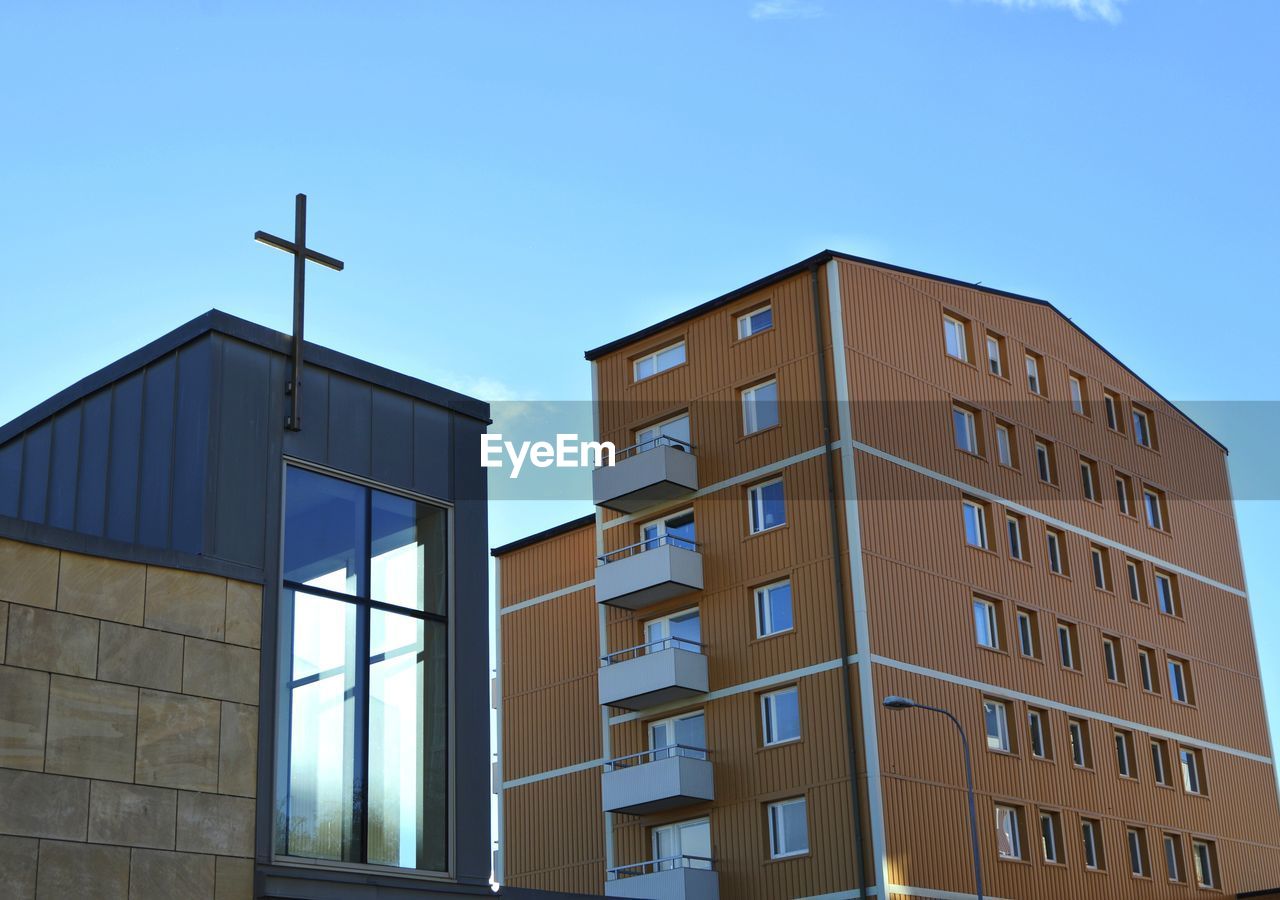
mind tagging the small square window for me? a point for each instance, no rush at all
(1056, 545)
(1079, 399)
(1153, 502)
(1028, 634)
(955, 334)
(760, 407)
(1160, 762)
(758, 320)
(1147, 669)
(1126, 765)
(995, 354)
(1124, 495)
(1115, 418)
(788, 828)
(1089, 479)
(1038, 734)
(1137, 585)
(1068, 646)
(1180, 681)
(986, 623)
(1144, 427)
(1191, 762)
(995, 714)
(975, 524)
(1100, 559)
(1035, 373)
(1046, 463)
(1167, 599)
(1114, 659)
(1081, 752)
(966, 427)
(768, 507)
(1006, 445)
(773, 608)
(1016, 532)
(780, 716)
(1009, 831)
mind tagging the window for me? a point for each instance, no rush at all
(1016, 528)
(1009, 831)
(1144, 427)
(682, 844)
(780, 715)
(684, 735)
(995, 714)
(788, 828)
(1192, 763)
(1125, 763)
(758, 320)
(760, 407)
(1068, 648)
(964, 425)
(986, 623)
(1034, 384)
(1051, 836)
(1038, 734)
(1006, 446)
(1205, 857)
(1111, 402)
(773, 609)
(1137, 841)
(1101, 567)
(658, 361)
(1137, 587)
(1056, 542)
(955, 334)
(1089, 479)
(995, 354)
(975, 524)
(675, 530)
(1167, 600)
(673, 432)
(1180, 681)
(1028, 634)
(363, 688)
(1114, 659)
(1046, 465)
(1173, 858)
(1147, 668)
(1160, 762)
(1091, 832)
(1154, 503)
(681, 630)
(1081, 752)
(1078, 399)
(1124, 495)
(768, 506)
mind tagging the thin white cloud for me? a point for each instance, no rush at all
(764, 10)
(1106, 10)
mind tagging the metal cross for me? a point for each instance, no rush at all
(301, 253)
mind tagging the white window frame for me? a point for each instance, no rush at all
(1136, 840)
(665, 623)
(1067, 651)
(1190, 769)
(650, 434)
(1142, 428)
(1160, 762)
(1125, 761)
(1036, 733)
(984, 542)
(1049, 842)
(1111, 657)
(965, 438)
(676, 829)
(1178, 688)
(751, 415)
(1013, 527)
(1054, 549)
(1122, 496)
(1004, 446)
(755, 506)
(1088, 482)
(764, 610)
(1026, 637)
(671, 721)
(660, 528)
(1008, 814)
(769, 716)
(1002, 740)
(654, 356)
(1146, 666)
(1077, 394)
(1206, 871)
(1034, 384)
(1112, 404)
(778, 846)
(744, 321)
(995, 356)
(1133, 575)
(1077, 740)
(1173, 859)
(1171, 594)
(1101, 570)
(1089, 835)
(991, 618)
(1154, 509)
(960, 329)
(1044, 463)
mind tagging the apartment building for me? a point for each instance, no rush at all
(848, 481)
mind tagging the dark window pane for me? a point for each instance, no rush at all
(410, 553)
(324, 534)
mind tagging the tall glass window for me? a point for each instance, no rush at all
(362, 752)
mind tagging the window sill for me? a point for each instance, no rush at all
(774, 634)
(755, 534)
(1016, 860)
(787, 743)
(1000, 650)
(788, 858)
(757, 433)
(986, 550)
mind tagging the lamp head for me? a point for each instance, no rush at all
(895, 702)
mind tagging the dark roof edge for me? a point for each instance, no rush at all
(215, 320)
(827, 255)
(554, 531)
(1265, 892)
(93, 545)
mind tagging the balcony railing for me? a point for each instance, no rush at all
(648, 572)
(664, 864)
(646, 675)
(656, 780)
(662, 440)
(667, 643)
(685, 877)
(671, 751)
(645, 474)
(653, 543)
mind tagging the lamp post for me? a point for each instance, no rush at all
(894, 702)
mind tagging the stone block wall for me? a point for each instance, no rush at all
(128, 729)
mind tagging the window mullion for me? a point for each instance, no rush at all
(363, 650)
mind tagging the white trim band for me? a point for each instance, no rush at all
(543, 598)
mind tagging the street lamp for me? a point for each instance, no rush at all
(895, 702)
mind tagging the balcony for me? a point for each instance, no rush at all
(654, 673)
(655, 780)
(648, 572)
(674, 878)
(646, 474)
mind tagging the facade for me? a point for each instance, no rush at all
(849, 481)
(237, 660)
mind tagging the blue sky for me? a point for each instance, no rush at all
(511, 183)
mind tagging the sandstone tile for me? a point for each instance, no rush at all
(24, 708)
(82, 870)
(102, 588)
(131, 815)
(92, 729)
(28, 574)
(52, 641)
(244, 613)
(177, 741)
(186, 602)
(132, 655)
(215, 823)
(224, 671)
(238, 750)
(233, 879)
(44, 806)
(18, 867)
(164, 875)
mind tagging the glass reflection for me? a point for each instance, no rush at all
(409, 553)
(324, 532)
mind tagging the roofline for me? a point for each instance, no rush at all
(826, 256)
(554, 531)
(216, 320)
